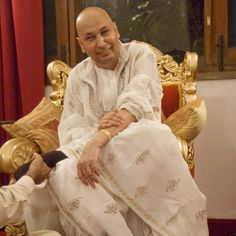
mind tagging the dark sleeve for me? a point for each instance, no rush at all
(50, 158)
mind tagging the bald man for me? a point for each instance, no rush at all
(125, 174)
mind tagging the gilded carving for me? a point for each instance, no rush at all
(18, 229)
(15, 152)
(58, 73)
(190, 156)
(185, 72)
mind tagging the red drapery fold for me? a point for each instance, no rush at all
(21, 58)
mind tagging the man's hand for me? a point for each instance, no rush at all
(87, 165)
(38, 169)
(114, 121)
(110, 119)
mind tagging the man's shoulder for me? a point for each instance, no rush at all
(82, 65)
(82, 68)
(136, 47)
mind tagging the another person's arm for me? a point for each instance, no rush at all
(13, 196)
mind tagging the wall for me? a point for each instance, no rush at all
(215, 148)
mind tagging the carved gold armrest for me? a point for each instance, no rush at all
(16, 152)
(187, 151)
(58, 73)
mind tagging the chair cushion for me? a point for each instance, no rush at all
(188, 121)
(40, 126)
(172, 98)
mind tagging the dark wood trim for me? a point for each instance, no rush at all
(62, 27)
(220, 16)
(72, 30)
(208, 19)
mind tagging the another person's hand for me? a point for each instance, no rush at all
(38, 169)
(87, 165)
(110, 119)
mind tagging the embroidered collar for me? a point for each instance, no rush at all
(88, 66)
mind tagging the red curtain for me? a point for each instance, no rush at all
(21, 58)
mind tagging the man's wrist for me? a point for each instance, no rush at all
(107, 133)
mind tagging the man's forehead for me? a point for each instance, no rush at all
(87, 29)
(97, 29)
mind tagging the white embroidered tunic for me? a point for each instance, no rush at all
(138, 90)
(145, 187)
(107, 81)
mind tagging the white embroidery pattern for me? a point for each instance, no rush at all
(111, 159)
(172, 185)
(111, 209)
(141, 159)
(141, 191)
(201, 215)
(74, 203)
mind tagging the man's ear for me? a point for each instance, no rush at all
(116, 29)
(80, 44)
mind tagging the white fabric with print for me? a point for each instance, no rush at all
(145, 186)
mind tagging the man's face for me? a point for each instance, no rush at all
(99, 38)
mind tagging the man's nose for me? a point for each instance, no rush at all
(100, 41)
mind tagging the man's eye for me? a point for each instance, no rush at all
(90, 38)
(105, 31)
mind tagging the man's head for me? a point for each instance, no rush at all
(98, 37)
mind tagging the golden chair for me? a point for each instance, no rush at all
(181, 110)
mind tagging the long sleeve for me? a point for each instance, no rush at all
(74, 130)
(12, 198)
(140, 93)
(142, 96)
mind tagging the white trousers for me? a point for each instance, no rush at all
(145, 188)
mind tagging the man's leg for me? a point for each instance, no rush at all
(84, 210)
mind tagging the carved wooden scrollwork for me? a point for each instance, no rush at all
(16, 152)
(18, 229)
(58, 73)
(185, 72)
(190, 156)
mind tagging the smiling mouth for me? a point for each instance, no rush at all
(104, 52)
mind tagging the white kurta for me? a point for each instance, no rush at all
(145, 187)
(12, 199)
